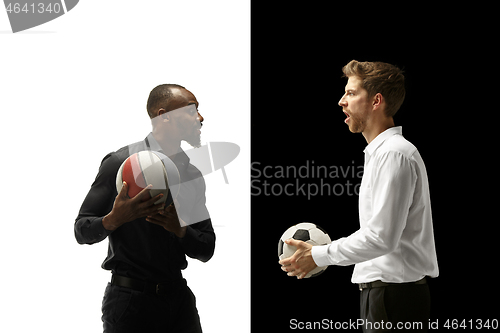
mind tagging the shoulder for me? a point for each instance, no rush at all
(124, 152)
(394, 155)
(113, 160)
(398, 145)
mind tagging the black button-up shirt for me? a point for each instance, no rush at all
(139, 249)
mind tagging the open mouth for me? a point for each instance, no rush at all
(348, 117)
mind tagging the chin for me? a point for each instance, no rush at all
(355, 130)
(194, 142)
(357, 126)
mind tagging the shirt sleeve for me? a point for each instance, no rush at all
(97, 204)
(390, 191)
(199, 241)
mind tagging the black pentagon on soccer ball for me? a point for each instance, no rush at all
(280, 247)
(302, 235)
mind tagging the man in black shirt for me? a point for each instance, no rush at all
(148, 243)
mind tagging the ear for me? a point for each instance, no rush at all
(163, 113)
(377, 101)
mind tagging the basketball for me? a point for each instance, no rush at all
(149, 167)
(307, 232)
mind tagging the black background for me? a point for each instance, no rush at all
(448, 113)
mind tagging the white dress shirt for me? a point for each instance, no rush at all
(395, 242)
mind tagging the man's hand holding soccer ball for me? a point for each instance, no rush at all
(301, 262)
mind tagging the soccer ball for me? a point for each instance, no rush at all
(307, 232)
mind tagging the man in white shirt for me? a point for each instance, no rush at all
(393, 251)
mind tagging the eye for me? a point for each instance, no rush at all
(192, 109)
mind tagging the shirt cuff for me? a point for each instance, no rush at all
(320, 255)
(325, 255)
(189, 237)
(99, 228)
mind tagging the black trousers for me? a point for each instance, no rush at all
(126, 310)
(396, 308)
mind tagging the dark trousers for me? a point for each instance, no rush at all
(126, 310)
(395, 308)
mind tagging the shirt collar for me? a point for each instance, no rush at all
(152, 144)
(372, 146)
(179, 158)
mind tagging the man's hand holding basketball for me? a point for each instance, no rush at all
(127, 209)
(301, 262)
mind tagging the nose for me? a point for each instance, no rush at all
(343, 102)
(200, 118)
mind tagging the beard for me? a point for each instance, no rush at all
(357, 123)
(194, 140)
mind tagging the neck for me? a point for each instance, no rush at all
(169, 145)
(376, 128)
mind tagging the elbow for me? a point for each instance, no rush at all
(207, 254)
(205, 259)
(79, 238)
(78, 235)
(89, 231)
(77, 228)
(386, 248)
(380, 246)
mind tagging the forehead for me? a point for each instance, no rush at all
(181, 98)
(354, 83)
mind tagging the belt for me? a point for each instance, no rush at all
(379, 284)
(165, 288)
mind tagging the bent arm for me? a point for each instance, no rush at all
(392, 189)
(199, 241)
(98, 203)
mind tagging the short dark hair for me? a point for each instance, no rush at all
(380, 77)
(159, 97)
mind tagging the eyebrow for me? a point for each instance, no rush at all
(193, 103)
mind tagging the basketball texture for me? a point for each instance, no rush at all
(149, 167)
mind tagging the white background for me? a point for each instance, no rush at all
(75, 89)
